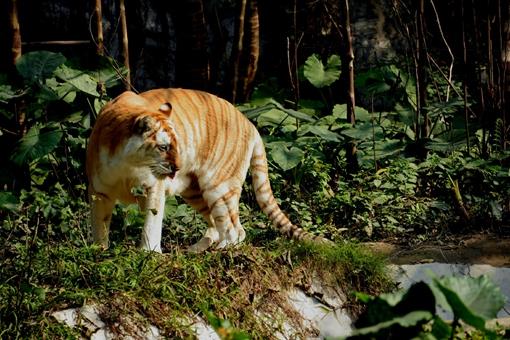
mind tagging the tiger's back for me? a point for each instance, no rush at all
(215, 145)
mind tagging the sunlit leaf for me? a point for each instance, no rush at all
(287, 158)
(273, 117)
(321, 131)
(321, 75)
(7, 93)
(62, 91)
(474, 300)
(79, 79)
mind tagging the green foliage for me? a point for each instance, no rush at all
(36, 144)
(399, 191)
(404, 185)
(47, 264)
(36, 66)
(225, 329)
(472, 300)
(412, 313)
(57, 99)
(321, 75)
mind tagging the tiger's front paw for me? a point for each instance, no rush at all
(201, 246)
(234, 236)
(148, 247)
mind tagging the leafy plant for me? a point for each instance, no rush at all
(58, 101)
(321, 75)
(412, 313)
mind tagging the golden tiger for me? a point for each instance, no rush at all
(178, 142)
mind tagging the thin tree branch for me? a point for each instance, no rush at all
(450, 73)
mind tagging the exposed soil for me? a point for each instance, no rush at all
(470, 249)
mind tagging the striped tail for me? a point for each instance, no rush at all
(266, 200)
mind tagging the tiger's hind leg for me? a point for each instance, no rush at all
(222, 216)
(193, 197)
(225, 213)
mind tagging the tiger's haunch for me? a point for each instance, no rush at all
(178, 142)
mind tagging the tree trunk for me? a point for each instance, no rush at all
(348, 73)
(22, 174)
(99, 27)
(237, 53)
(422, 120)
(195, 67)
(15, 55)
(16, 33)
(253, 57)
(125, 45)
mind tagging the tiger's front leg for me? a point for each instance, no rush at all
(101, 207)
(153, 205)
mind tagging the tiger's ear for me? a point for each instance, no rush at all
(166, 108)
(143, 124)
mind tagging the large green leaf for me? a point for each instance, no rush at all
(321, 75)
(409, 320)
(8, 201)
(38, 142)
(321, 131)
(383, 148)
(273, 117)
(38, 65)
(59, 91)
(364, 131)
(298, 114)
(287, 158)
(79, 79)
(375, 80)
(110, 76)
(7, 93)
(360, 114)
(473, 300)
(253, 113)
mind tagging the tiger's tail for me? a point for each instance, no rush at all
(266, 200)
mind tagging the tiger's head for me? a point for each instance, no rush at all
(132, 131)
(154, 143)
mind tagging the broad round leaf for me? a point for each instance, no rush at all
(8, 201)
(364, 131)
(320, 75)
(38, 65)
(287, 158)
(79, 79)
(321, 131)
(274, 117)
(37, 143)
(473, 300)
(7, 93)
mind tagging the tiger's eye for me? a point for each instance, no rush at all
(164, 147)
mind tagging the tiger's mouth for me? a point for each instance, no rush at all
(162, 171)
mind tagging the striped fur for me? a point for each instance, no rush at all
(211, 146)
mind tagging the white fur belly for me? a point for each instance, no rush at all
(123, 183)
